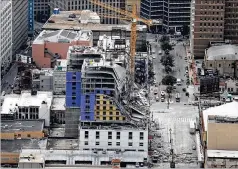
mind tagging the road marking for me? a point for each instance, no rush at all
(183, 120)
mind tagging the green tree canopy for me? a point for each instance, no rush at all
(167, 60)
(169, 80)
(166, 46)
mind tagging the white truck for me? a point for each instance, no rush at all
(179, 82)
(192, 128)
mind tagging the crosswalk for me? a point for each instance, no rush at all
(182, 120)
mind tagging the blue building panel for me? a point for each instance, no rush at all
(87, 114)
(30, 17)
(73, 89)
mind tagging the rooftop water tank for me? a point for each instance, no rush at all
(56, 11)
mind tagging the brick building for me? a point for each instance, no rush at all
(212, 21)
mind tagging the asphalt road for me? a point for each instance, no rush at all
(176, 116)
(8, 79)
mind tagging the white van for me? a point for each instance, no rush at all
(179, 82)
(192, 129)
(3, 93)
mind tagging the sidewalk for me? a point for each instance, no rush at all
(191, 69)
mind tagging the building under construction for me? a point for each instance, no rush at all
(97, 86)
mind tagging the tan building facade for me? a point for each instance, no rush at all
(11, 130)
(221, 134)
(213, 21)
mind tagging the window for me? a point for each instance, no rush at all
(118, 135)
(28, 135)
(219, 65)
(109, 143)
(210, 65)
(85, 134)
(130, 144)
(97, 135)
(117, 113)
(104, 118)
(104, 102)
(104, 113)
(110, 113)
(118, 143)
(97, 143)
(110, 118)
(117, 118)
(109, 135)
(86, 143)
(19, 135)
(141, 144)
(141, 136)
(130, 135)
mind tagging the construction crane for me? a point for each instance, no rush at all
(134, 19)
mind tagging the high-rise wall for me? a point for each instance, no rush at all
(41, 10)
(20, 23)
(174, 13)
(213, 21)
(208, 25)
(231, 21)
(5, 34)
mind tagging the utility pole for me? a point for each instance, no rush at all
(172, 163)
(168, 100)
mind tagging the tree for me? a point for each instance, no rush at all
(167, 60)
(169, 80)
(168, 69)
(169, 89)
(166, 46)
(185, 30)
(164, 39)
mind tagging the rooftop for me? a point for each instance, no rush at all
(18, 145)
(63, 36)
(31, 125)
(63, 144)
(57, 132)
(77, 50)
(112, 42)
(61, 64)
(85, 155)
(228, 110)
(102, 125)
(45, 71)
(58, 103)
(25, 99)
(222, 52)
(62, 21)
(31, 158)
(222, 154)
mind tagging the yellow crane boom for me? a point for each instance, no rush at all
(134, 19)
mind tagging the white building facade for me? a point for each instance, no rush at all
(121, 140)
(20, 23)
(27, 106)
(5, 34)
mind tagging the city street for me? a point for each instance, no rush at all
(8, 79)
(177, 116)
